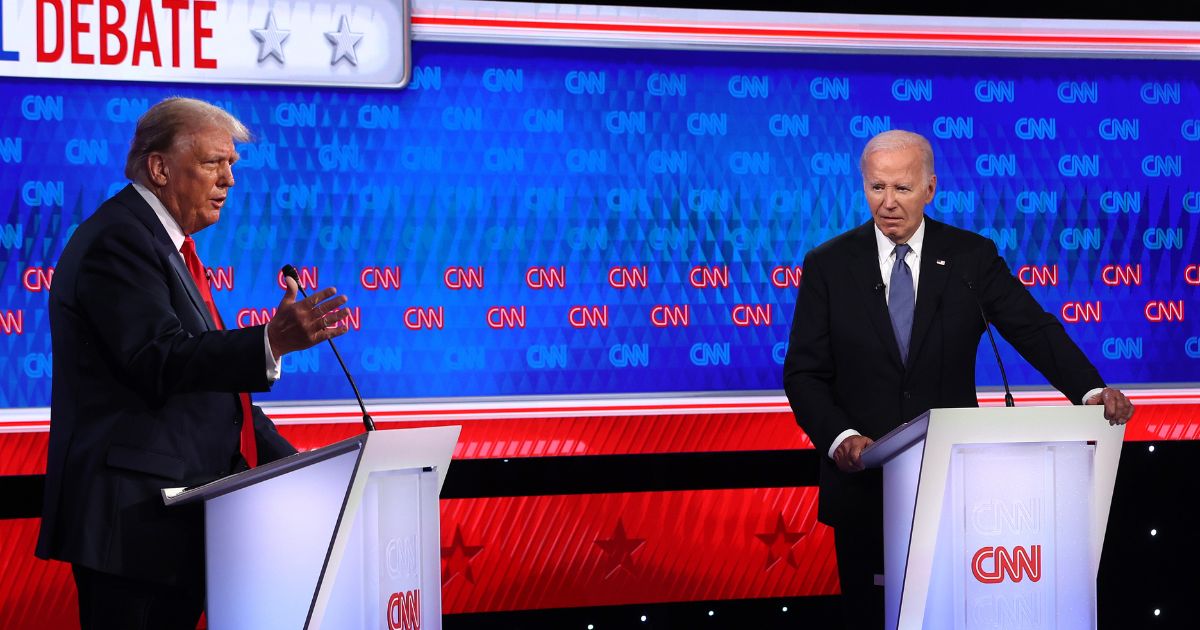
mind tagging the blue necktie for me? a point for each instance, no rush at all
(901, 299)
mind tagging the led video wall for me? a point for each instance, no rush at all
(533, 220)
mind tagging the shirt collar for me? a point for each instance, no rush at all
(168, 222)
(886, 246)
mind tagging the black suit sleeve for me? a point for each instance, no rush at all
(1035, 333)
(122, 289)
(808, 369)
(271, 445)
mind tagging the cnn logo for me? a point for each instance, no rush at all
(990, 565)
(404, 610)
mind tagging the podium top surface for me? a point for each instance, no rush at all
(225, 485)
(980, 425)
(895, 441)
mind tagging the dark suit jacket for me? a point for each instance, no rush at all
(144, 397)
(843, 368)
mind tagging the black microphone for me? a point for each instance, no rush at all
(290, 272)
(878, 286)
(987, 325)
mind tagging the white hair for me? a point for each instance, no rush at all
(897, 140)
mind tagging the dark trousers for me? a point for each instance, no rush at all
(114, 602)
(860, 557)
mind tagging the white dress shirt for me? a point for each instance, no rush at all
(175, 233)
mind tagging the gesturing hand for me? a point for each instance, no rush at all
(304, 324)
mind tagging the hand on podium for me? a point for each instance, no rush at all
(1117, 408)
(303, 324)
(848, 454)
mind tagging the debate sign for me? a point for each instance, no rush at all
(363, 43)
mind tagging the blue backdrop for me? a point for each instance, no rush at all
(531, 172)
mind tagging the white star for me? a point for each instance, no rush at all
(344, 42)
(271, 39)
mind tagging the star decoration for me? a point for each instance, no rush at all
(781, 544)
(457, 558)
(271, 39)
(344, 42)
(618, 551)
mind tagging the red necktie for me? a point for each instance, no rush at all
(200, 277)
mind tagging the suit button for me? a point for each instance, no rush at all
(907, 395)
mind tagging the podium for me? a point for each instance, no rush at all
(995, 517)
(344, 536)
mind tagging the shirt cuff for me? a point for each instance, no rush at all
(837, 441)
(271, 363)
(1091, 392)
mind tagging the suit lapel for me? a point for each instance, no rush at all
(185, 278)
(865, 268)
(130, 198)
(935, 270)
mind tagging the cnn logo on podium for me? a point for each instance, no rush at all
(404, 610)
(991, 565)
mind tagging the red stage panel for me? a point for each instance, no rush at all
(34, 594)
(590, 435)
(556, 551)
(1164, 422)
(23, 454)
(515, 553)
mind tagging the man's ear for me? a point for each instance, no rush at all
(156, 169)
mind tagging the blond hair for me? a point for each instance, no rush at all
(163, 124)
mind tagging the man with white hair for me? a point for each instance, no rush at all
(150, 389)
(887, 326)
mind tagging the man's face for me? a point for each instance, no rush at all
(898, 188)
(195, 177)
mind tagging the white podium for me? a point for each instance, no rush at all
(345, 536)
(995, 517)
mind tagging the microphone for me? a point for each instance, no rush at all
(987, 325)
(878, 286)
(290, 272)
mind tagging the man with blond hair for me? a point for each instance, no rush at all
(887, 326)
(150, 390)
